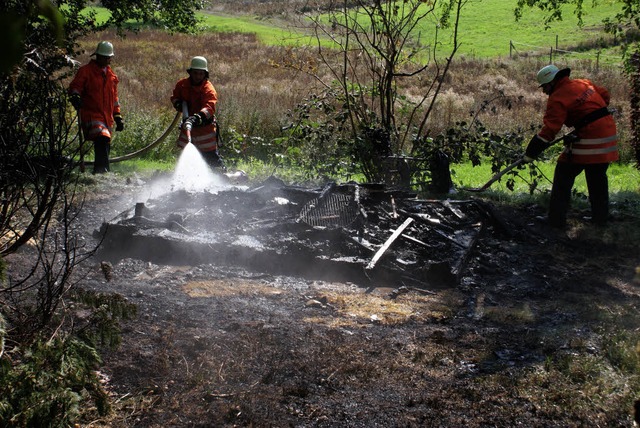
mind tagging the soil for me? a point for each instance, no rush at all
(523, 339)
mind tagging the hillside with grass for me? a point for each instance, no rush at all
(488, 28)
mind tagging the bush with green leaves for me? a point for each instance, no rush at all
(48, 380)
(49, 383)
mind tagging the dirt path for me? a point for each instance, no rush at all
(534, 335)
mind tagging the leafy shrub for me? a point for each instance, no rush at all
(46, 387)
(48, 381)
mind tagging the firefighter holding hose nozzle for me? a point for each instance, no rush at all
(591, 147)
(199, 127)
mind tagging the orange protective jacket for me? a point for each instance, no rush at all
(201, 99)
(98, 90)
(570, 101)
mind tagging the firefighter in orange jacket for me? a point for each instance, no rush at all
(591, 147)
(94, 93)
(201, 98)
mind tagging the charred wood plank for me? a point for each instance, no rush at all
(364, 244)
(463, 261)
(448, 237)
(415, 240)
(453, 209)
(420, 217)
(388, 243)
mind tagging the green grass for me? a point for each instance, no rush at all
(486, 30)
(143, 167)
(266, 33)
(487, 27)
(623, 179)
(102, 14)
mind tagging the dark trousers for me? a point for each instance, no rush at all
(597, 184)
(214, 160)
(101, 149)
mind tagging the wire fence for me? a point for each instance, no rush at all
(554, 51)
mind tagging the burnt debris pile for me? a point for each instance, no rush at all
(363, 233)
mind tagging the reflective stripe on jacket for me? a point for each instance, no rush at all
(201, 99)
(98, 90)
(570, 101)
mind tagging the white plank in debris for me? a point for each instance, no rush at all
(387, 244)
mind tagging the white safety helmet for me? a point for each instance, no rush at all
(547, 74)
(104, 49)
(198, 63)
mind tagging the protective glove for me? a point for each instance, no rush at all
(76, 101)
(119, 123)
(536, 146)
(177, 104)
(570, 138)
(187, 123)
(196, 120)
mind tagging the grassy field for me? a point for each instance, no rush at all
(487, 28)
(480, 37)
(623, 179)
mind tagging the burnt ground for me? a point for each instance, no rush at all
(529, 329)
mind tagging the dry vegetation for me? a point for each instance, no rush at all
(253, 95)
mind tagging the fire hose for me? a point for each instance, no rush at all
(145, 149)
(239, 175)
(515, 164)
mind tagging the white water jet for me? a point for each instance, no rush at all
(194, 174)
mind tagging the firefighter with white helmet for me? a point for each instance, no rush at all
(104, 48)
(201, 99)
(199, 63)
(547, 74)
(94, 93)
(591, 147)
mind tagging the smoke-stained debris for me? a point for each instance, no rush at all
(349, 232)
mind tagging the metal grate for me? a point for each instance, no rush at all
(332, 210)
